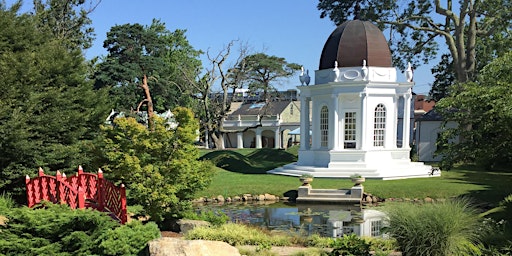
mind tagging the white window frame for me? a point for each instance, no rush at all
(324, 126)
(379, 126)
(350, 130)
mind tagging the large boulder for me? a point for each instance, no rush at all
(169, 246)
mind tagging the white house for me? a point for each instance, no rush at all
(358, 109)
(428, 128)
(262, 124)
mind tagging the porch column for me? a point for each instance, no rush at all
(335, 126)
(258, 138)
(304, 123)
(240, 140)
(407, 121)
(277, 138)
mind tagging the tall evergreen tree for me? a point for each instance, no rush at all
(48, 108)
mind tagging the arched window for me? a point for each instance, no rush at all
(379, 126)
(324, 126)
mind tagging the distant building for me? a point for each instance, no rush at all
(262, 124)
(428, 128)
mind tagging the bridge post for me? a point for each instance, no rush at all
(100, 190)
(124, 217)
(41, 172)
(81, 198)
(29, 194)
(60, 188)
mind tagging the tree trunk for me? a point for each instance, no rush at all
(218, 140)
(148, 100)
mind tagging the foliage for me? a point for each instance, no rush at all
(350, 245)
(262, 70)
(441, 228)
(444, 78)
(416, 27)
(215, 217)
(235, 234)
(59, 230)
(135, 51)
(482, 111)
(67, 21)
(49, 111)
(159, 167)
(6, 203)
(129, 239)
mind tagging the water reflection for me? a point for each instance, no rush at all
(306, 219)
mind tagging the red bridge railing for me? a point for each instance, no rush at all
(81, 190)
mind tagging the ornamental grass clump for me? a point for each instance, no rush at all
(436, 229)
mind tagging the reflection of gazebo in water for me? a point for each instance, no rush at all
(357, 115)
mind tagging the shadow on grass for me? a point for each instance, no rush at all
(258, 162)
(497, 183)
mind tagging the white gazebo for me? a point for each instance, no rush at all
(361, 115)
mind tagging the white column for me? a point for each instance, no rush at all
(308, 125)
(277, 138)
(335, 123)
(304, 123)
(362, 131)
(258, 138)
(393, 129)
(303, 117)
(240, 140)
(407, 121)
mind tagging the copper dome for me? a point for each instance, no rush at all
(354, 41)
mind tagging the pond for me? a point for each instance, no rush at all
(329, 220)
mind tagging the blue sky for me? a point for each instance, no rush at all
(291, 29)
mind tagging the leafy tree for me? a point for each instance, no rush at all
(215, 106)
(150, 58)
(415, 25)
(488, 48)
(159, 167)
(483, 114)
(48, 109)
(444, 78)
(262, 71)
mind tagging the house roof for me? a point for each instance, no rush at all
(431, 115)
(262, 108)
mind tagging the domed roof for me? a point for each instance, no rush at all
(354, 41)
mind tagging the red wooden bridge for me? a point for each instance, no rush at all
(81, 190)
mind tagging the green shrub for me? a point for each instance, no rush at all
(58, 230)
(349, 245)
(128, 239)
(236, 234)
(6, 203)
(437, 229)
(215, 218)
(53, 229)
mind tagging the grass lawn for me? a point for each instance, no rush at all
(244, 171)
